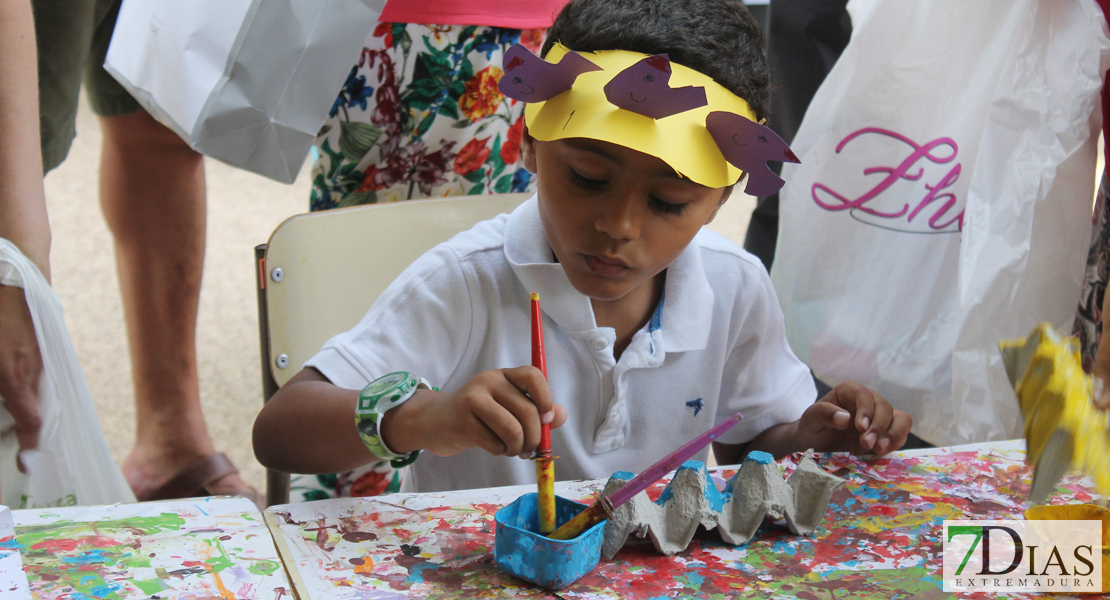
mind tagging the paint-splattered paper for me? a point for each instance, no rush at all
(182, 549)
(13, 581)
(880, 538)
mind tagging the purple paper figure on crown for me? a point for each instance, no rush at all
(748, 146)
(529, 78)
(644, 88)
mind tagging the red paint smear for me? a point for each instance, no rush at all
(488, 509)
(56, 546)
(69, 545)
(886, 511)
(514, 63)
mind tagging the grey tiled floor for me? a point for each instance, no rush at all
(242, 211)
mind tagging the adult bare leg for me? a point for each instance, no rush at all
(152, 192)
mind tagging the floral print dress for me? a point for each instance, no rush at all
(420, 116)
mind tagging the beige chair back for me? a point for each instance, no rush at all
(323, 270)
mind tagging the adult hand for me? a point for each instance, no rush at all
(499, 411)
(20, 366)
(853, 418)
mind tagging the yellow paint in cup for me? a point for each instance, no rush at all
(1079, 512)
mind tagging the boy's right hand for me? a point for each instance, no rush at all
(499, 411)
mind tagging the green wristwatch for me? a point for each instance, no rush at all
(380, 395)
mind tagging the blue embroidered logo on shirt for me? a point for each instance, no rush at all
(696, 405)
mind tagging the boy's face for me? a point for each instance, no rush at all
(615, 217)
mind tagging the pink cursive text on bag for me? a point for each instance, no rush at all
(940, 202)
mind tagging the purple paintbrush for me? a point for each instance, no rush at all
(603, 507)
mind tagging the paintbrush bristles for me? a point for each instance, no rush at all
(545, 502)
(583, 521)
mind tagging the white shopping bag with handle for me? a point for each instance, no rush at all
(943, 202)
(72, 465)
(248, 82)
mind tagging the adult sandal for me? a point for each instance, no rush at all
(194, 480)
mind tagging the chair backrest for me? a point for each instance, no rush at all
(323, 270)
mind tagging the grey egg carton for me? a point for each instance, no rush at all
(691, 499)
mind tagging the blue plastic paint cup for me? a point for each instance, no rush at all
(522, 552)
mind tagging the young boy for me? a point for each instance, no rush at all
(655, 329)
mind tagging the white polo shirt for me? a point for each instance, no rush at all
(715, 346)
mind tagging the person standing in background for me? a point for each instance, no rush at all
(420, 116)
(1094, 311)
(23, 218)
(804, 40)
(152, 193)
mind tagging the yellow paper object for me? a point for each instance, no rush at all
(1073, 512)
(1063, 428)
(681, 140)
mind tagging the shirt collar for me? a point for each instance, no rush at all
(688, 298)
(533, 262)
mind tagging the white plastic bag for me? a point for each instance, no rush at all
(943, 202)
(248, 82)
(72, 465)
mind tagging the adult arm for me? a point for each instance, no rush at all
(22, 213)
(22, 203)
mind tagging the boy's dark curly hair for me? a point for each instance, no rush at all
(718, 38)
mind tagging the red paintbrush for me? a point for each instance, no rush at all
(545, 461)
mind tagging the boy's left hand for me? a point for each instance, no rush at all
(856, 419)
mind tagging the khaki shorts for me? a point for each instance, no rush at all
(72, 38)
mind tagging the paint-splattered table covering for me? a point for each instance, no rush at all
(880, 538)
(215, 547)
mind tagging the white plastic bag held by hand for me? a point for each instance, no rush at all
(943, 202)
(71, 465)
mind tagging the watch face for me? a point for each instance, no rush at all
(386, 383)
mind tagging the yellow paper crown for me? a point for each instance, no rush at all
(700, 118)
